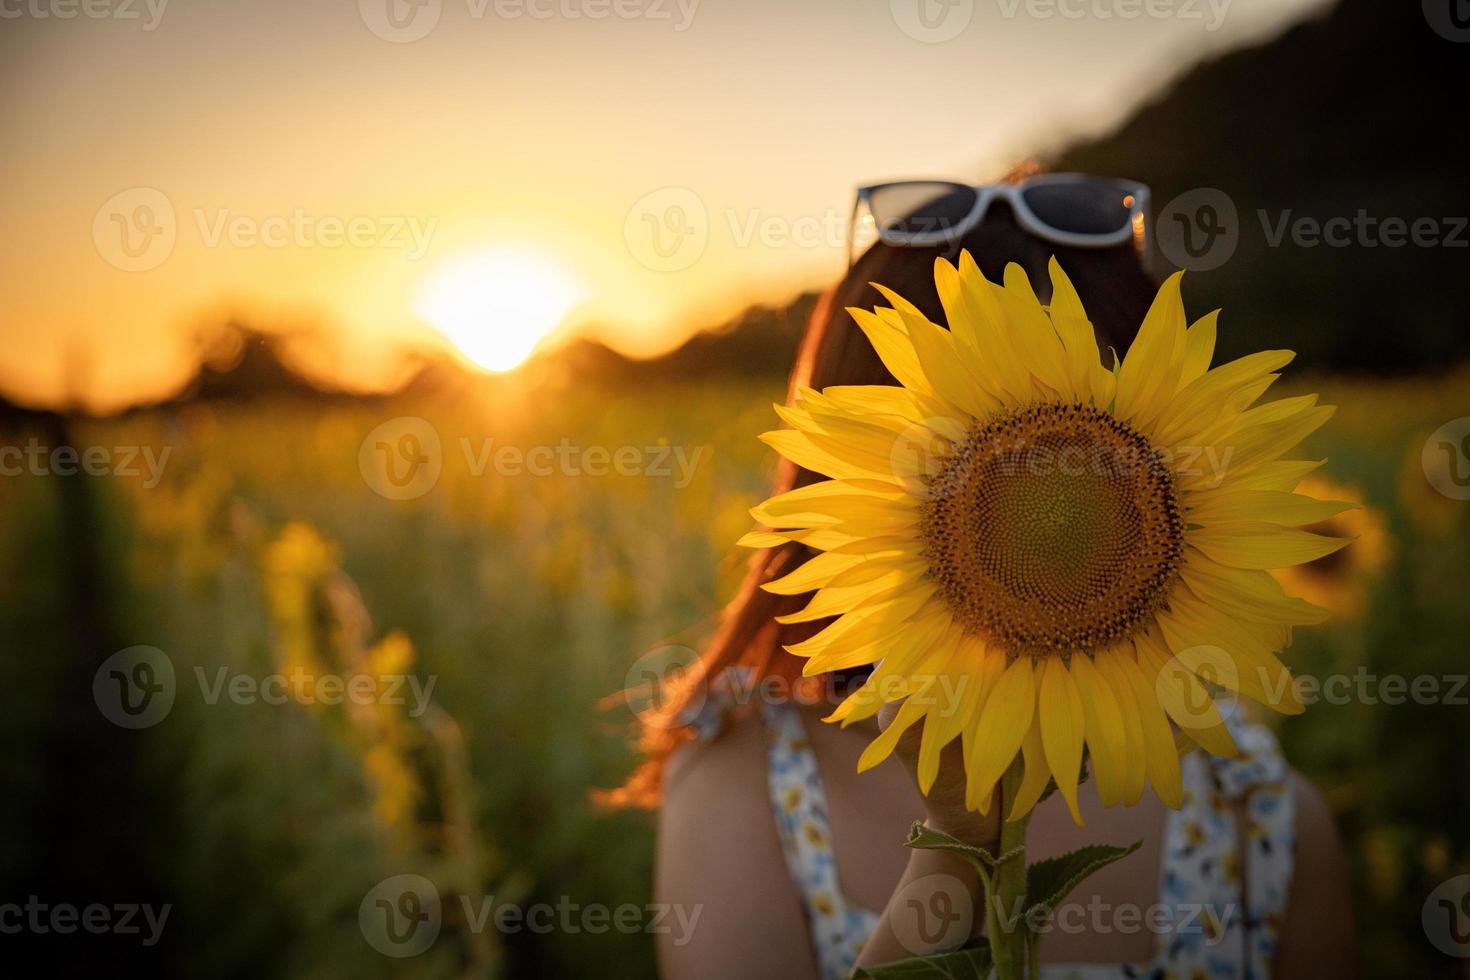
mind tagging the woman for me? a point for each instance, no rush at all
(796, 861)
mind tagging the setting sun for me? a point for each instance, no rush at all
(495, 307)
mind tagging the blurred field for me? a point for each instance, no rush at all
(526, 598)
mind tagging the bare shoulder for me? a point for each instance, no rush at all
(1318, 936)
(720, 862)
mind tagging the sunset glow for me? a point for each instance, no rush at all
(495, 307)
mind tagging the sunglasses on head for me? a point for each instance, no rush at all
(1075, 210)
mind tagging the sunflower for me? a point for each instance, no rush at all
(1044, 557)
(1340, 581)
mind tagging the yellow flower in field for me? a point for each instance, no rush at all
(1340, 581)
(1040, 554)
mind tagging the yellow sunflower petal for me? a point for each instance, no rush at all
(1150, 371)
(1248, 594)
(1037, 774)
(837, 598)
(1228, 504)
(894, 350)
(947, 372)
(882, 746)
(1107, 741)
(830, 502)
(884, 639)
(1037, 342)
(1199, 348)
(1091, 383)
(1201, 402)
(944, 706)
(984, 341)
(1183, 698)
(861, 626)
(1160, 757)
(1281, 474)
(1062, 729)
(1134, 769)
(1003, 723)
(804, 452)
(814, 574)
(1261, 545)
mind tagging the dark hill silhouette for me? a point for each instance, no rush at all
(1360, 109)
(761, 340)
(239, 363)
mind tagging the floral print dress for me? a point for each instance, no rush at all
(1224, 923)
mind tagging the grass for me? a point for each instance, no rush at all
(526, 598)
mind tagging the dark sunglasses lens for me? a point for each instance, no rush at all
(1082, 208)
(921, 208)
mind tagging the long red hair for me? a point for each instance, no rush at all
(1114, 287)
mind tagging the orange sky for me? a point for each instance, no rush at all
(168, 163)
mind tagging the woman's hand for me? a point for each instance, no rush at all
(944, 804)
(938, 888)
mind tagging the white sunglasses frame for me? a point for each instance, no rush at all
(1013, 194)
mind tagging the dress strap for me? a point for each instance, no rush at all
(1260, 777)
(838, 929)
(1229, 905)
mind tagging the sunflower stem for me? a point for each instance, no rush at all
(1005, 898)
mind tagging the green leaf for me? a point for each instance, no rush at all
(970, 963)
(925, 838)
(1049, 881)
